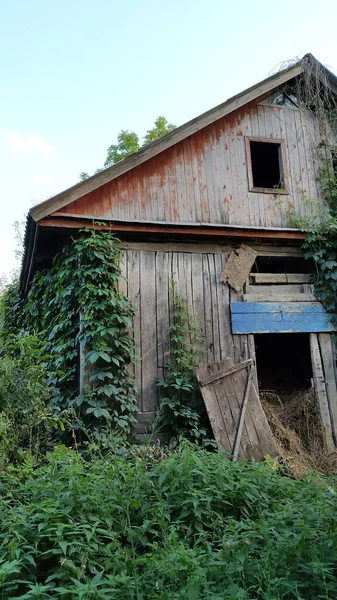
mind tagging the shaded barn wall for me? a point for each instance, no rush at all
(204, 179)
(196, 271)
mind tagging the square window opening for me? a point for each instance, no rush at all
(267, 165)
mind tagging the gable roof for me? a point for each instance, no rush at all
(75, 192)
(56, 203)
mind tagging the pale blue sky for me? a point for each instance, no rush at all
(74, 73)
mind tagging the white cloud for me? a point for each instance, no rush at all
(43, 179)
(28, 145)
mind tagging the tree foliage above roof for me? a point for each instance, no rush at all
(128, 143)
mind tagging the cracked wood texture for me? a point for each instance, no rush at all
(223, 398)
(204, 178)
(146, 281)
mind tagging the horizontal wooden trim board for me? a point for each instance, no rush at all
(276, 317)
(188, 230)
(281, 277)
(285, 297)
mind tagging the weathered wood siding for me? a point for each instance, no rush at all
(148, 274)
(204, 178)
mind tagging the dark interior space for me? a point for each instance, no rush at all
(283, 361)
(282, 264)
(266, 165)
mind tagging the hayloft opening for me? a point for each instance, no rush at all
(266, 164)
(283, 361)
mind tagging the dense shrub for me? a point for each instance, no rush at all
(193, 526)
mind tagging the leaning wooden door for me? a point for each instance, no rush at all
(237, 418)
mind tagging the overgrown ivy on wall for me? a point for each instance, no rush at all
(314, 94)
(84, 319)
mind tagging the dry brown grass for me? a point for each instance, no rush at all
(295, 421)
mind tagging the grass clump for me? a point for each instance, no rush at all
(193, 526)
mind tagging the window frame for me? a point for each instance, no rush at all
(282, 150)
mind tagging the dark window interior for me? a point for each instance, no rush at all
(266, 165)
(282, 264)
(283, 361)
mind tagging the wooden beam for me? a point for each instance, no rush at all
(191, 230)
(281, 277)
(278, 317)
(274, 297)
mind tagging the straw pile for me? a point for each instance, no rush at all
(295, 421)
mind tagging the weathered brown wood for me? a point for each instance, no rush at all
(225, 371)
(326, 348)
(320, 387)
(242, 416)
(210, 248)
(283, 297)
(148, 328)
(223, 399)
(281, 277)
(286, 288)
(177, 135)
(197, 230)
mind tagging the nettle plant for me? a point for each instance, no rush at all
(181, 404)
(80, 309)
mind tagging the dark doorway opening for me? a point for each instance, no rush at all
(283, 361)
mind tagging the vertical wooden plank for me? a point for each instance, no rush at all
(215, 308)
(180, 180)
(148, 331)
(208, 309)
(196, 183)
(122, 283)
(189, 180)
(224, 322)
(134, 296)
(320, 388)
(162, 308)
(328, 359)
(198, 292)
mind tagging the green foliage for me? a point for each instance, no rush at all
(194, 526)
(84, 175)
(24, 396)
(161, 127)
(181, 405)
(320, 245)
(127, 144)
(77, 303)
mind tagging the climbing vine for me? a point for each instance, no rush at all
(85, 320)
(180, 406)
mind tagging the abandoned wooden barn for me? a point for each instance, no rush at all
(208, 206)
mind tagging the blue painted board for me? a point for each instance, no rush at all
(279, 317)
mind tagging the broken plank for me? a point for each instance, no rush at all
(224, 399)
(224, 372)
(238, 267)
(281, 277)
(242, 417)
